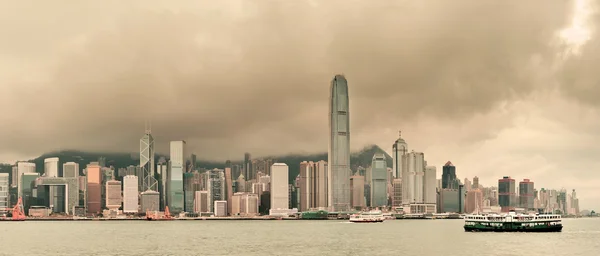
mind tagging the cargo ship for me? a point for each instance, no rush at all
(367, 217)
(513, 222)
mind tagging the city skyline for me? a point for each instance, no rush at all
(500, 101)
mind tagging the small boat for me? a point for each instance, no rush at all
(367, 217)
(513, 222)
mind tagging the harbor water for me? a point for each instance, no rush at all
(395, 237)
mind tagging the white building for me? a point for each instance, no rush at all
(23, 167)
(220, 208)
(4, 197)
(130, 194)
(113, 195)
(71, 170)
(51, 167)
(279, 187)
(244, 204)
(429, 188)
(412, 178)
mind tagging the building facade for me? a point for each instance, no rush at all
(94, 188)
(177, 164)
(526, 194)
(399, 150)
(279, 186)
(147, 162)
(357, 192)
(4, 196)
(506, 194)
(71, 170)
(339, 145)
(201, 202)
(130, 194)
(449, 179)
(23, 167)
(113, 195)
(379, 181)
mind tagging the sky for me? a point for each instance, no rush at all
(500, 88)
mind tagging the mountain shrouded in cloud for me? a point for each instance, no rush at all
(481, 83)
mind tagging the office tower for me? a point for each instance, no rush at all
(339, 145)
(321, 190)
(177, 162)
(506, 193)
(474, 202)
(450, 201)
(279, 187)
(71, 170)
(147, 162)
(228, 187)
(467, 184)
(244, 204)
(526, 190)
(51, 167)
(162, 168)
(461, 198)
(429, 186)
(399, 149)
(113, 195)
(307, 186)
(193, 160)
(476, 182)
(23, 167)
(397, 193)
(26, 187)
(220, 208)
(247, 166)
(357, 192)
(14, 177)
(449, 176)
(130, 194)
(241, 183)
(201, 202)
(216, 186)
(412, 181)
(94, 188)
(379, 181)
(133, 171)
(4, 197)
(150, 200)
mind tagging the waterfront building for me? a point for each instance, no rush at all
(130, 194)
(379, 181)
(474, 202)
(280, 193)
(506, 193)
(71, 170)
(216, 186)
(113, 195)
(162, 169)
(27, 188)
(220, 208)
(449, 179)
(307, 185)
(449, 201)
(201, 202)
(147, 162)
(66, 195)
(412, 181)
(150, 201)
(94, 188)
(51, 167)
(357, 192)
(4, 196)
(399, 150)
(321, 186)
(177, 163)
(244, 204)
(397, 193)
(526, 191)
(429, 186)
(23, 167)
(339, 145)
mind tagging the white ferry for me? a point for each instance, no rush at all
(367, 217)
(513, 222)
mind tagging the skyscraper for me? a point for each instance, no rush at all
(177, 165)
(449, 176)
(399, 149)
(4, 202)
(526, 194)
(71, 170)
(130, 194)
(23, 167)
(279, 187)
(113, 194)
(412, 178)
(321, 184)
(247, 166)
(216, 187)
(357, 192)
(379, 181)
(339, 145)
(147, 162)
(94, 188)
(51, 171)
(429, 186)
(506, 194)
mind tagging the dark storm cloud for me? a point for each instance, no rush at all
(232, 81)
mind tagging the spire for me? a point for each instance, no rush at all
(399, 133)
(148, 127)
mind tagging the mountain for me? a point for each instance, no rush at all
(119, 160)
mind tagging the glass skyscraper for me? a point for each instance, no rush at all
(175, 187)
(379, 181)
(339, 145)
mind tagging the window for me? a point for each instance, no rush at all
(342, 133)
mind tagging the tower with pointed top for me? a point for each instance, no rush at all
(399, 149)
(147, 160)
(339, 146)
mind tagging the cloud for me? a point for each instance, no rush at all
(237, 76)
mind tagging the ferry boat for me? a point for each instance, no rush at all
(367, 217)
(513, 222)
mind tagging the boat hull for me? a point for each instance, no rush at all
(555, 228)
(366, 221)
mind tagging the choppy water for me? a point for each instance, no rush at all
(396, 237)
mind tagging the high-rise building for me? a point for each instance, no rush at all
(399, 149)
(279, 187)
(201, 202)
(308, 186)
(220, 208)
(228, 187)
(474, 202)
(467, 184)
(526, 190)
(449, 179)
(51, 167)
(14, 177)
(23, 167)
(71, 170)
(4, 197)
(397, 193)
(476, 182)
(379, 181)
(216, 186)
(412, 181)
(244, 204)
(162, 168)
(130, 194)
(430, 186)
(506, 194)
(147, 162)
(177, 165)
(150, 200)
(27, 188)
(357, 192)
(321, 190)
(247, 166)
(94, 188)
(113, 195)
(339, 145)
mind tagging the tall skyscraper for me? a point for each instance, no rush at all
(412, 178)
(429, 186)
(397, 193)
(379, 182)
(474, 202)
(449, 176)
(23, 167)
(339, 145)
(247, 166)
(113, 194)
(130, 194)
(147, 162)
(279, 187)
(177, 164)
(475, 182)
(216, 187)
(51, 171)
(162, 169)
(506, 194)
(399, 149)
(526, 197)
(357, 192)
(307, 186)
(71, 170)
(94, 188)
(321, 184)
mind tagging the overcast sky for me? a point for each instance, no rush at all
(497, 87)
